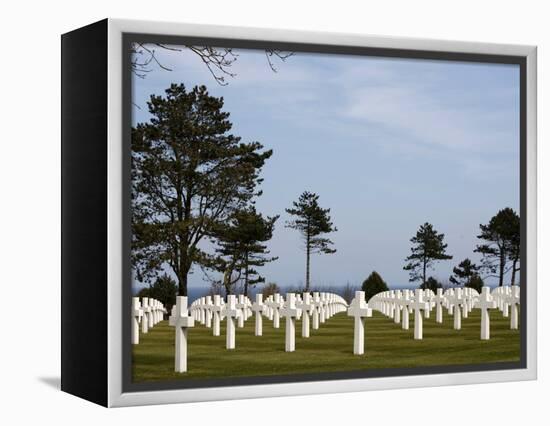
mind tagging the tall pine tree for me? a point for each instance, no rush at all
(188, 173)
(466, 274)
(501, 250)
(428, 247)
(241, 248)
(312, 222)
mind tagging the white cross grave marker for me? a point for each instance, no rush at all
(305, 306)
(137, 314)
(405, 302)
(298, 302)
(465, 303)
(290, 312)
(241, 304)
(450, 307)
(438, 299)
(397, 307)
(216, 315)
(428, 294)
(505, 304)
(267, 309)
(359, 310)
(456, 300)
(513, 300)
(208, 309)
(182, 321)
(276, 306)
(322, 307)
(484, 303)
(231, 312)
(145, 320)
(315, 314)
(258, 308)
(418, 305)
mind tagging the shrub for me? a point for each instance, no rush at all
(431, 284)
(374, 284)
(475, 282)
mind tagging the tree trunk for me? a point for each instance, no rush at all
(182, 278)
(184, 267)
(246, 275)
(227, 281)
(513, 280)
(307, 264)
(501, 268)
(424, 273)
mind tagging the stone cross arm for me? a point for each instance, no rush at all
(180, 316)
(358, 307)
(485, 300)
(258, 307)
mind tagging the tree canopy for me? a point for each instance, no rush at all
(311, 221)
(373, 285)
(431, 284)
(188, 174)
(164, 290)
(466, 274)
(428, 247)
(241, 247)
(501, 247)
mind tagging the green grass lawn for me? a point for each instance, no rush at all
(329, 349)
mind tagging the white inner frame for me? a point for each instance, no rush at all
(114, 215)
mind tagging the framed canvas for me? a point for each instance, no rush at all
(252, 213)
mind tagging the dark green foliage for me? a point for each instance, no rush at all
(501, 250)
(188, 174)
(428, 247)
(476, 282)
(144, 292)
(374, 284)
(240, 248)
(164, 290)
(466, 274)
(431, 284)
(312, 222)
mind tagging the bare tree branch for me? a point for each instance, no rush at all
(218, 60)
(283, 56)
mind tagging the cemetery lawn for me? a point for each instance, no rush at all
(329, 349)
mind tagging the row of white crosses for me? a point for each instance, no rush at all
(210, 311)
(507, 300)
(319, 307)
(148, 312)
(398, 304)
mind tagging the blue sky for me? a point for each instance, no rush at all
(388, 144)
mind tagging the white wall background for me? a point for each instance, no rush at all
(30, 208)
